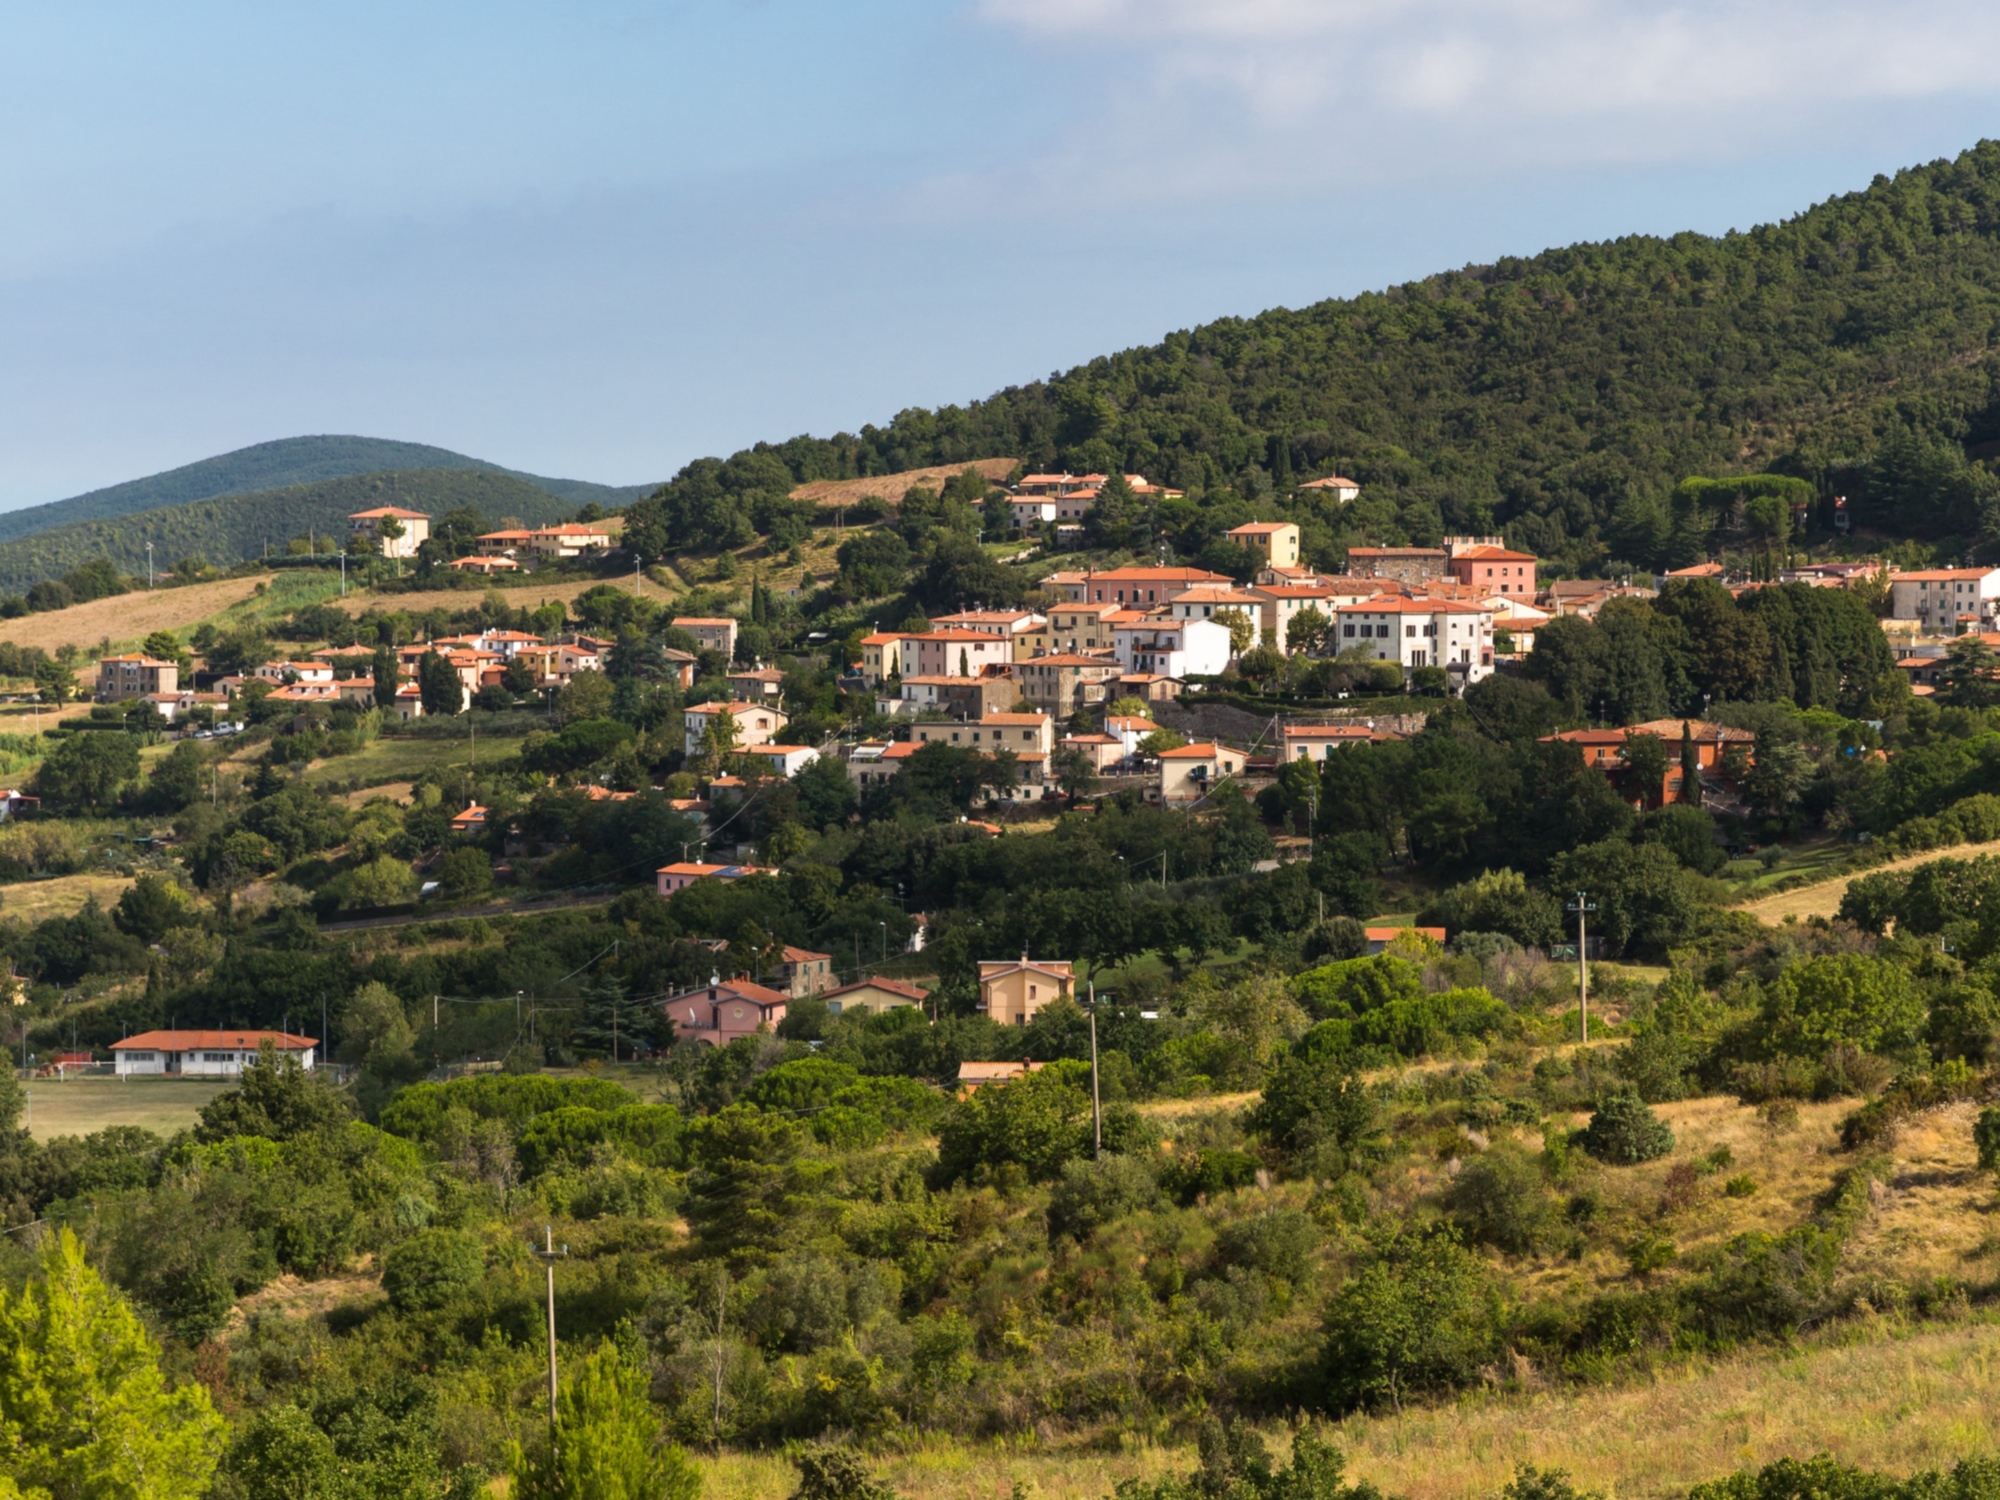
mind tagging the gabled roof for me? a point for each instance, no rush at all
(1207, 750)
(1262, 528)
(1944, 575)
(1331, 482)
(1488, 553)
(386, 512)
(181, 1041)
(793, 955)
(893, 986)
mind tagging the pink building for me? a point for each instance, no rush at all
(724, 1011)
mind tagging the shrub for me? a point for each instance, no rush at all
(1846, 999)
(1501, 1199)
(1625, 1132)
(432, 1267)
(1194, 1174)
(1986, 1136)
(1423, 1316)
(1090, 1194)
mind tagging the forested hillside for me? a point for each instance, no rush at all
(1559, 397)
(284, 464)
(228, 530)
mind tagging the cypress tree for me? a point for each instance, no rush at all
(1690, 766)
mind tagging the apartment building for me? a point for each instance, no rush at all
(1277, 542)
(415, 526)
(135, 676)
(1421, 633)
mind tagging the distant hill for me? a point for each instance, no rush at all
(235, 527)
(285, 464)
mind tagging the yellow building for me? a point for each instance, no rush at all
(415, 529)
(1276, 541)
(1013, 993)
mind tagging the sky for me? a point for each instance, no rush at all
(596, 240)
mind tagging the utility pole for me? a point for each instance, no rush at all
(343, 572)
(1096, 1109)
(1583, 906)
(638, 575)
(548, 1255)
(149, 565)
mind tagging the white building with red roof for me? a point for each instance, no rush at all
(221, 1053)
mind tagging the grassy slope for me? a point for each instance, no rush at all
(81, 1106)
(1875, 1391)
(275, 465)
(1823, 899)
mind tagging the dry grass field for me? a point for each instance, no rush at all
(1882, 1397)
(1823, 900)
(65, 896)
(890, 487)
(81, 1106)
(128, 617)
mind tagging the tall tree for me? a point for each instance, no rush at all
(85, 1413)
(1690, 766)
(438, 682)
(386, 669)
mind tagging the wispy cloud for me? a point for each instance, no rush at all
(1206, 94)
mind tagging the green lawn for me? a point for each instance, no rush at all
(82, 1106)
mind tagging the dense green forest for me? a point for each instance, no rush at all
(1559, 397)
(233, 529)
(284, 464)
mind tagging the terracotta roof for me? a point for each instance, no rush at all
(1260, 528)
(734, 706)
(893, 986)
(1487, 553)
(1943, 575)
(180, 1041)
(793, 955)
(704, 620)
(1015, 719)
(384, 512)
(1203, 751)
(1331, 482)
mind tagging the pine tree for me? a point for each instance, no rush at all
(607, 1441)
(1690, 767)
(84, 1411)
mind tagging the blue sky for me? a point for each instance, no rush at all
(598, 239)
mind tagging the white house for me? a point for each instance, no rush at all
(206, 1054)
(1422, 633)
(1945, 600)
(1172, 648)
(1205, 601)
(755, 723)
(783, 760)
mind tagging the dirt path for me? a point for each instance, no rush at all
(128, 617)
(1823, 900)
